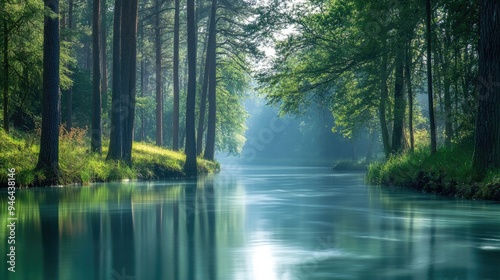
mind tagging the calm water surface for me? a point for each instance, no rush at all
(256, 223)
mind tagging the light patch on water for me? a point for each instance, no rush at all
(379, 238)
(489, 248)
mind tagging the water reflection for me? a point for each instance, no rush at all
(256, 223)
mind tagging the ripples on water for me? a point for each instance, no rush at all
(252, 223)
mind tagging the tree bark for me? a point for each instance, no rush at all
(399, 103)
(487, 138)
(190, 166)
(104, 57)
(212, 85)
(408, 66)
(382, 106)
(429, 77)
(6, 69)
(128, 71)
(69, 92)
(447, 94)
(175, 116)
(48, 158)
(159, 89)
(116, 133)
(203, 101)
(143, 83)
(96, 135)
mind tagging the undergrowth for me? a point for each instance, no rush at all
(78, 166)
(448, 172)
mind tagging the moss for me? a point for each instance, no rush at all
(79, 166)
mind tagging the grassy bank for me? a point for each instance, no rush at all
(448, 172)
(78, 166)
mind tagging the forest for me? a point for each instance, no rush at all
(248, 139)
(153, 89)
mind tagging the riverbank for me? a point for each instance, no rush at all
(78, 166)
(448, 172)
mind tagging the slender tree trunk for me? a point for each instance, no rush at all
(96, 141)
(104, 57)
(48, 158)
(408, 66)
(143, 82)
(116, 133)
(447, 94)
(203, 101)
(69, 92)
(190, 167)
(212, 85)
(175, 116)
(399, 103)
(382, 106)
(159, 91)
(429, 77)
(5, 69)
(487, 137)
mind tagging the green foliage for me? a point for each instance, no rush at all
(78, 166)
(448, 172)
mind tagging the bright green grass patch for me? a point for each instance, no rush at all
(78, 166)
(449, 172)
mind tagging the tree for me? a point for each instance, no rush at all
(48, 158)
(69, 91)
(128, 71)
(159, 87)
(430, 95)
(124, 82)
(96, 135)
(116, 133)
(212, 84)
(487, 137)
(190, 166)
(175, 118)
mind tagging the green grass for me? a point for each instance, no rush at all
(448, 172)
(78, 166)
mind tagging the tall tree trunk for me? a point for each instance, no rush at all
(190, 167)
(116, 133)
(447, 94)
(143, 82)
(212, 85)
(408, 66)
(48, 158)
(382, 106)
(175, 116)
(429, 77)
(69, 92)
(128, 69)
(159, 91)
(5, 69)
(487, 137)
(203, 101)
(399, 102)
(96, 141)
(104, 57)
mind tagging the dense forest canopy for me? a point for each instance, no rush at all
(399, 75)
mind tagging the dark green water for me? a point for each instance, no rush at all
(255, 223)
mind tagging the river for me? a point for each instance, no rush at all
(255, 223)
